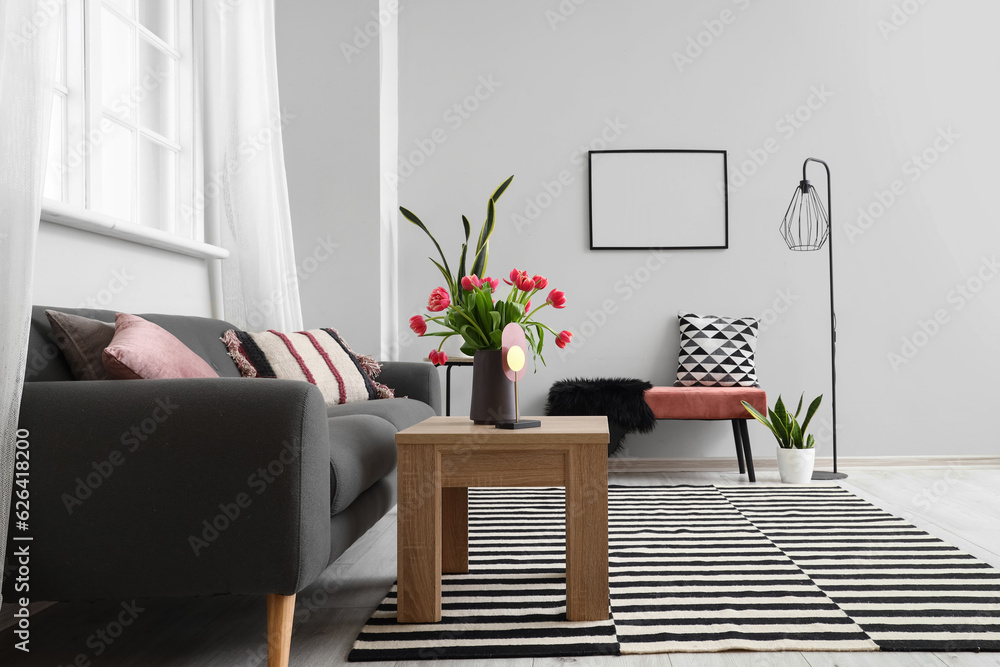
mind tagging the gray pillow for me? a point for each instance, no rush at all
(82, 341)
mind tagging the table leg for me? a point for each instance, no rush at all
(418, 543)
(447, 391)
(587, 589)
(455, 529)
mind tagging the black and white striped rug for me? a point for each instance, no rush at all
(701, 569)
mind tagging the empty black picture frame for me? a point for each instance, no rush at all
(670, 199)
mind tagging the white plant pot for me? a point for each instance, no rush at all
(796, 465)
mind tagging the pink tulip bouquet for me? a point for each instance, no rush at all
(469, 306)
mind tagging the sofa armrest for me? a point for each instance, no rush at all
(147, 488)
(414, 379)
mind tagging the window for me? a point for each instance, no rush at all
(122, 134)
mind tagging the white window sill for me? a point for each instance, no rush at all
(59, 213)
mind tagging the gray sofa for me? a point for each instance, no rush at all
(187, 487)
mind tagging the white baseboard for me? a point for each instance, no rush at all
(728, 464)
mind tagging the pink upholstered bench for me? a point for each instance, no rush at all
(712, 403)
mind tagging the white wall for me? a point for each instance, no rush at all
(329, 84)
(609, 70)
(77, 269)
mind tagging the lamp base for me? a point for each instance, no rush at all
(521, 423)
(826, 475)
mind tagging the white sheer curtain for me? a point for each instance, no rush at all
(246, 195)
(28, 29)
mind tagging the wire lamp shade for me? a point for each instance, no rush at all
(806, 225)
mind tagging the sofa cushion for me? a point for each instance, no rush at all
(82, 340)
(45, 363)
(362, 451)
(400, 412)
(142, 350)
(318, 356)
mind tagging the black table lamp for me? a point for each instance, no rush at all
(806, 226)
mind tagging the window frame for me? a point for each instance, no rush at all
(82, 133)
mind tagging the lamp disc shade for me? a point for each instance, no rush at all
(514, 366)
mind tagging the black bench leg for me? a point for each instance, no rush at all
(739, 445)
(746, 449)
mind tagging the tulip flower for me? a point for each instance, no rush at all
(439, 300)
(562, 340)
(470, 283)
(492, 282)
(524, 283)
(557, 299)
(541, 282)
(437, 357)
(418, 325)
(527, 306)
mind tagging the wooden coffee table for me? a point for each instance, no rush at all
(441, 457)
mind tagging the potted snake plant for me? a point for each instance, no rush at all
(796, 449)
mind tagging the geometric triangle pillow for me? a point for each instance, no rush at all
(716, 351)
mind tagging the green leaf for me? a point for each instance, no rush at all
(813, 407)
(799, 409)
(541, 337)
(415, 220)
(448, 279)
(810, 442)
(761, 418)
(469, 349)
(780, 429)
(496, 321)
(496, 336)
(467, 226)
(796, 434)
(472, 337)
(500, 190)
(779, 409)
(461, 265)
(482, 308)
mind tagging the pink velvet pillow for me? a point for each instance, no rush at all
(141, 350)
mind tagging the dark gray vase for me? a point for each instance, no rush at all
(492, 392)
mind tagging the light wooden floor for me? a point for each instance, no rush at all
(959, 505)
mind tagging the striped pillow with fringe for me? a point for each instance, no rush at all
(318, 356)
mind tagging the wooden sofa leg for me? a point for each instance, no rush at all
(739, 445)
(280, 612)
(748, 454)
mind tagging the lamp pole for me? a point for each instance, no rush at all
(820, 474)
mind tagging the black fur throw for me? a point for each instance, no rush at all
(621, 400)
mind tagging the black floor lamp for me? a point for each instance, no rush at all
(806, 226)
